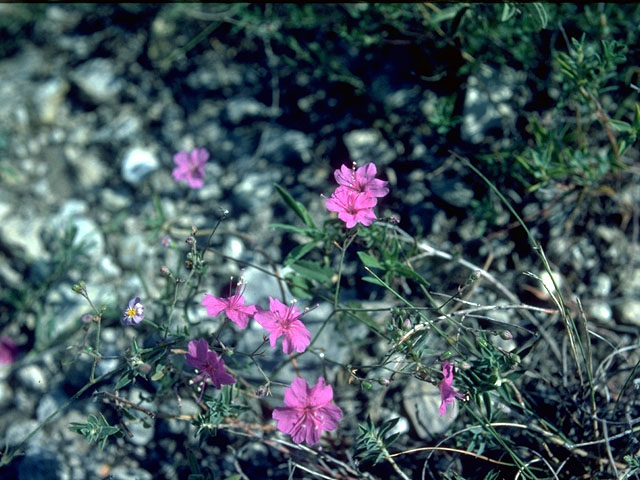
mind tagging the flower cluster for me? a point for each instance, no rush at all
(357, 193)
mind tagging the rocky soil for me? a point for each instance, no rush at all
(94, 102)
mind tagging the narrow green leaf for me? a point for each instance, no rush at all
(621, 126)
(313, 271)
(125, 380)
(296, 206)
(369, 260)
(298, 252)
(373, 280)
(290, 228)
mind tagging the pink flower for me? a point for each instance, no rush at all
(308, 411)
(361, 180)
(208, 364)
(8, 350)
(233, 307)
(134, 313)
(447, 392)
(352, 207)
(190, 167)
(282, 320)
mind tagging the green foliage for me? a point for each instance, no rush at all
(219, 409)
(373, 442)
(97, 429)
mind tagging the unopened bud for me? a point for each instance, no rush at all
(79, 287)
(506, 335)
(190, 240)
(165, 271)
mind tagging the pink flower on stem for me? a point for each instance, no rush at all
(447, 392)
(233, 307)
(307, 411)
(361, 180)
(282, 320)
(8, 350)
(190, 167)
(352, 207)
(134, 313)
(209, 366)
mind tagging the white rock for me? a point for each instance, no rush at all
(137, 164)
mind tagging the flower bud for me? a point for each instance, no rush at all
(165, 271)
(367, 385)
(506, 335)
(190, 240)
(79, 287)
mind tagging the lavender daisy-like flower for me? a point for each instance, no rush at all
(281, 320)
(307, 411)
(134, 313)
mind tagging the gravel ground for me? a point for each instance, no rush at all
(95, 100)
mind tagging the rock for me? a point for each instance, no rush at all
(254, 190)
(279, 147)
(49, 98)
(368, 146)
(602, 285)
(113, 200)
(18, 431)
(122, 472)
(238, 109)
(6, 393)
(448, 187)
(74, 213)
(601, 312)
(487, 103)
(137, 164)
(421, 401)
(90, 171)
(629, 312)
(97, 79)
(215, 75)
(48, 404)
(33, 378)
(40, 464)
(20, 234)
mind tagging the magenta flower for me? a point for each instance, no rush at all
(190, 167)
(8, 350)
(361, 180)
(308, 412)
(134, 313)
(282, 320)
(209, 366)
(233, 307)
(447, 392)
(352, 207)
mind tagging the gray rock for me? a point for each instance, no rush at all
(137, 164)
(214, 75)
(122, 472)
(487, 103)
(451, 189)
(33, 378)
(18, 431)
(97, 78)
(74, 213)
(113, 200)
(6, 392)
(601, 312)
(48, 404)
(40, 464)
(21, 233)
(421, 401)
(90, 171)
(238, 109)
(602, 285)
(278, 146)
(49, 98)
(630, 312)
(368, 146)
